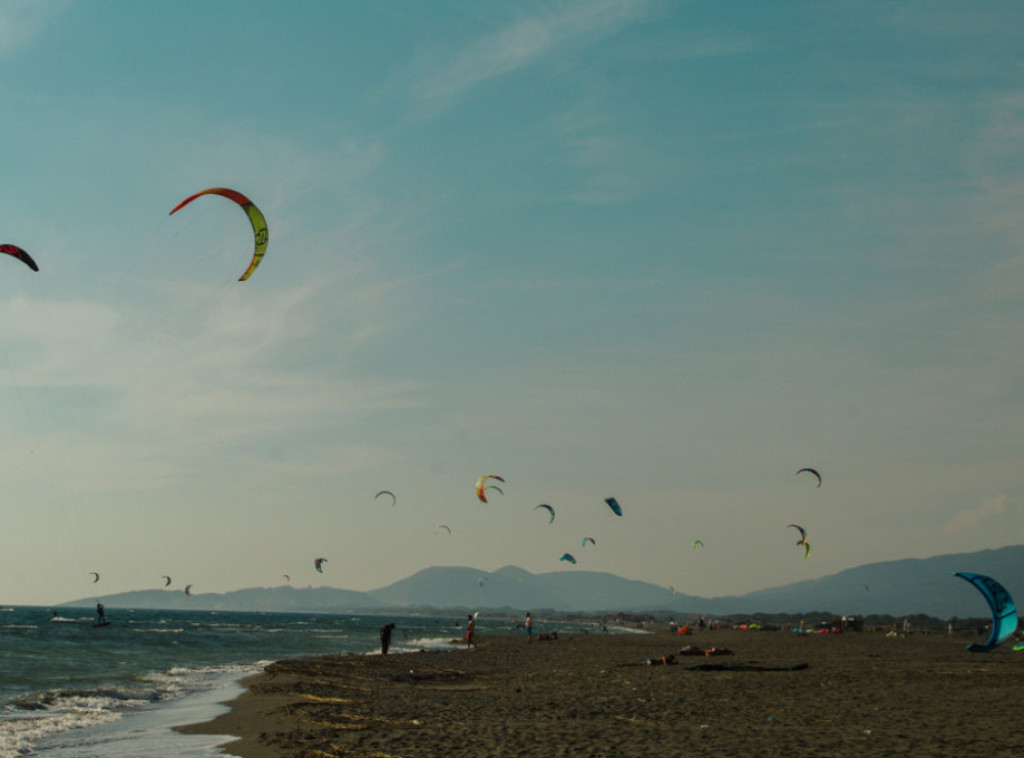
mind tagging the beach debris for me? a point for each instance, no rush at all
(394, 500)
(259, 224)
(568, 557)
(95, 576)
(20, 254)
(614, 505)
(1004, 612)
(167, 580)
(549, 509)
(811, 471)
(481, 488)
(318, 564)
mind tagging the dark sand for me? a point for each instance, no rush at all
(779, 694)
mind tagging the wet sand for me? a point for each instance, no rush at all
(778, 694)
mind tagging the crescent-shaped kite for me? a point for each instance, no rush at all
(259, 224)
(188, 589)
(614, 505)
(319, 564)
(696, 543)
(803, 533)
(568, 557)
(586, 540)
(1004, 612)
(480, 486)
(394, 500)
(95, 576)
(167, 580)
(811, 471)
(287, 578)
(439, 527)
(549, 509)
(20, 254)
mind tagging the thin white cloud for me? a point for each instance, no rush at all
(992, 513)
(22, 20)
(525, 42)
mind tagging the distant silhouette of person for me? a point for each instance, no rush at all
(529, 627)
(470, 631)
(101, 615)
(385, 638)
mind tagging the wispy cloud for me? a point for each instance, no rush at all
(992, 513)
(525, 42)
(22, 20)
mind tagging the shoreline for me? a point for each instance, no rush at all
(593, 695)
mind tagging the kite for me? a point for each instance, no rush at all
(697, 542)
(803, 533)
(549, 509)
(614, 505)
(439, 527)
(480, 486)
(188, 589)
(394, 499)
(319, 564)
(95, 575)
(20, 254)
(568, 557)
(586, 540)
(807, 550)
(812, 471)
(1004, 612)
(259, 224)
(167, 580)
(287, 578)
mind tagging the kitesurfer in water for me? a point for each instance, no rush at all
(101, 616)
(385, 637)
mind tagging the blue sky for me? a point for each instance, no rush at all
(670, 252)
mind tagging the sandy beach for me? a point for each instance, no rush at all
(777, 694)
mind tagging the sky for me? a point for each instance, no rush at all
(670, 252)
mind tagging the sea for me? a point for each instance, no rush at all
(72, 689)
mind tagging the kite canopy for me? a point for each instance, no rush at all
(614, 505)
(319, 564)
(480, 486)
(394, 499)
(20, 254)
(567, 557)
(439, 527)
(696, 543)
(259, 224)
(549, 509)
(188, 589)
(803, 533)
(95, 576)
(167, 580)
(586, 540)
(1004, 612)
(811, 471)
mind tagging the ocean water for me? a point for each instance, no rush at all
(69, 689)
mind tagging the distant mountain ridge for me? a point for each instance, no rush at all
(902, 587)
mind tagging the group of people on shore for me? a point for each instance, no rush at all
(387, 629)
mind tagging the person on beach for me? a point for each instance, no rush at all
(385, 637)
(470, 631)
(528, 624)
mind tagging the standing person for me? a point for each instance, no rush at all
(529, 627)
(101, 615)
(385, 637)
(470, 631)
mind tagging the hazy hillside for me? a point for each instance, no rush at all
(901, 587)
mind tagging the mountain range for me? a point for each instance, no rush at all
(902, 587)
